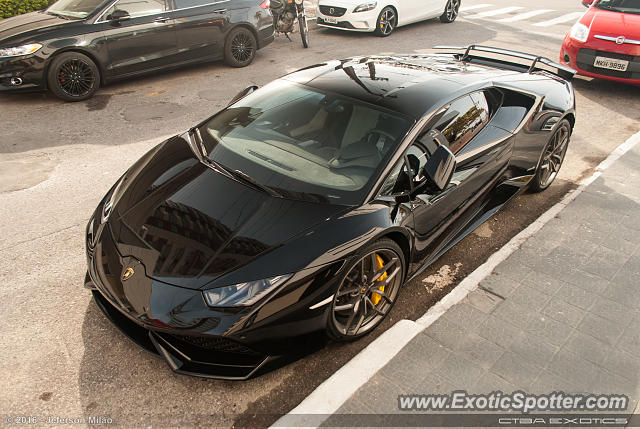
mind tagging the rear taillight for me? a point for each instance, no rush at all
(264, 4)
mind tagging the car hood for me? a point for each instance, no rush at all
(608, 23)
(188, 224)
(29, 22)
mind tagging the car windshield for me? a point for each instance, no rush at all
(624, 6)
(74, 8)
(305, 143)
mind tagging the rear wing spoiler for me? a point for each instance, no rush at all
(528, 62)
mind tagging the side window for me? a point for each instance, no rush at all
(418, 157)
(399, 178)
(139, 7)
(181, 4)
(463, 119)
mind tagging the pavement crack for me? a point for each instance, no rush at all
(490, 292)
(40, 237)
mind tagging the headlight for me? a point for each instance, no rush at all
(243, 294)
(366, 6)
(19, 50)
(579, 32)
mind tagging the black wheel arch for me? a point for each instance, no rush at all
(401, 238)
(396, 11)
(398, 235)
(571, 117)
(79, 50)
(249, 27)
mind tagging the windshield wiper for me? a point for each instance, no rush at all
(250, 180)
(236, 175)
(607, 7)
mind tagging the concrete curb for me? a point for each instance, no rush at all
(333, 392)
(330, 395)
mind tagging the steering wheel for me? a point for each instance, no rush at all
(379, 132)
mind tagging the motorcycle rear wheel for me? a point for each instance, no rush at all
(304, 31)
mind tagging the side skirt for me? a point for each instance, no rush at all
(497, 198)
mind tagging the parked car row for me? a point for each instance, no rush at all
(75, 46)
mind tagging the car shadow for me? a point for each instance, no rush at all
(119, 87)
(626, 95)
(119, 380)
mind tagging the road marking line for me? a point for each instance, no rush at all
(561, 19)
(494, 12)
(475, 6)
(526, 15)
(337, 389)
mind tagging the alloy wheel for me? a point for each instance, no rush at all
(367, 292)
(76, 77)
(387, 22)
(453, 6)
(242, 47)
(553, 156)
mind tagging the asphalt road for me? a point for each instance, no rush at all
(61, 358)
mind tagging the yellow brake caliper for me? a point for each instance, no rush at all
(375, 298)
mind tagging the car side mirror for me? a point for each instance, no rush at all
(439, 169)
(587, 3)
(248, 90)
(118, 15)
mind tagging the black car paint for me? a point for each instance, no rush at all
(315, 241)
(128, 47)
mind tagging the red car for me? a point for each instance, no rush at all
(605, 42)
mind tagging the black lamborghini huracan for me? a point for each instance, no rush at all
(304, 206)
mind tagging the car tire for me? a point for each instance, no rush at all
(552, 157)
(73, 76)
(304, 31)
(386, 22)
(451, 11)
(367, 291)
(240, 47)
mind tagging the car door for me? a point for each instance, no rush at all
(200, 28)
(481, 153)
(144, 40)
(408, 11)
(415, 10)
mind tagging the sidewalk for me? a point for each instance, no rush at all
(561, 313)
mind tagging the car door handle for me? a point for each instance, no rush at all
(220, 11)
(161, 19)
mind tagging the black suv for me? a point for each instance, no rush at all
(76, 45)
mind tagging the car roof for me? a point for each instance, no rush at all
(409, 84)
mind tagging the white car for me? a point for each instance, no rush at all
(382, 16)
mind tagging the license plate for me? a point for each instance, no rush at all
(331, 20)
(611, 63)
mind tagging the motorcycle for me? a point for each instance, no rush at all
(284, 14)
